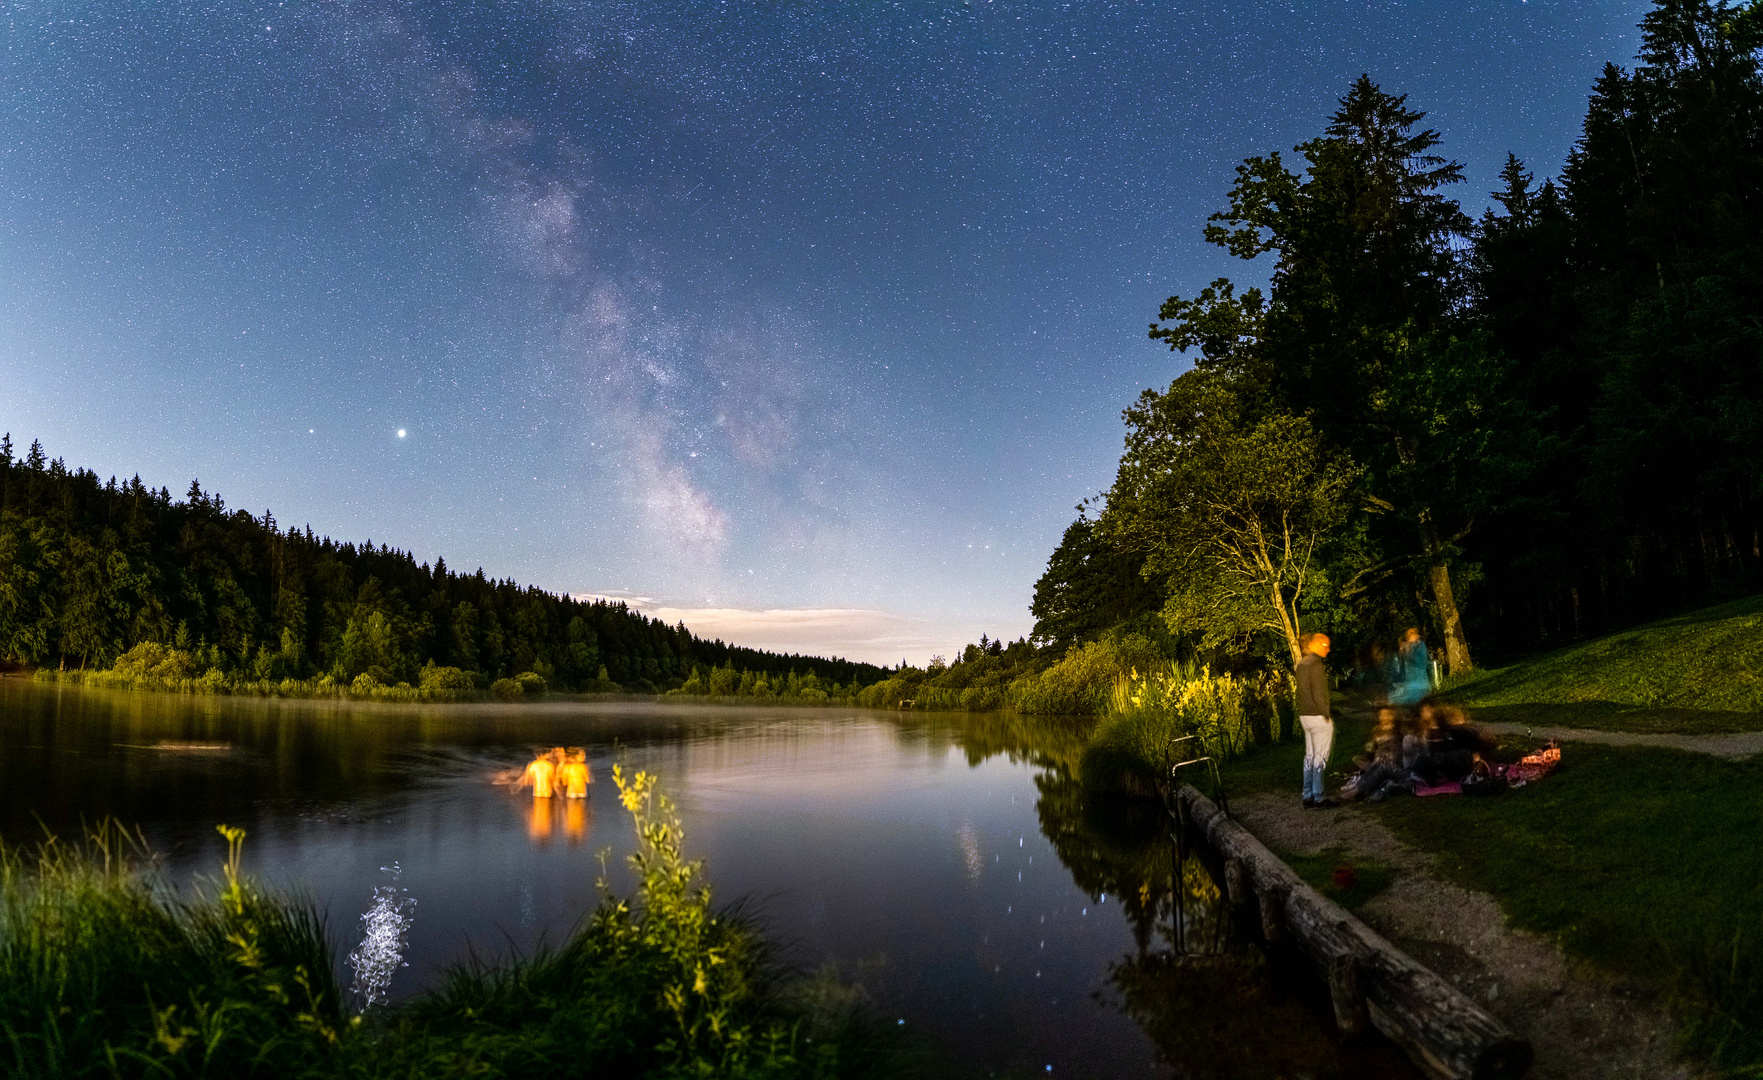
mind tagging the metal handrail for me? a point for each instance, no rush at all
(1177, 809)
(1172, 770)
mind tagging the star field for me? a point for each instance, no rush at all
(742, 306)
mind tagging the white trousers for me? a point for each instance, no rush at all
(1318, 741)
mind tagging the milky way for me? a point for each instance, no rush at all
(816, 316)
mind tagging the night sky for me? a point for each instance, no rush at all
(819, 316)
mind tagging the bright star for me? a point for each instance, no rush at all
(400, 433)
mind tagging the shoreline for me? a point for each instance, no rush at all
(1560, 906)
(1579, 1020)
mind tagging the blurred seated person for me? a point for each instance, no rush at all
(1380, 766)
(1453, 743)
(1417, 758)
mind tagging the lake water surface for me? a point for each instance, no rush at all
(948, 865)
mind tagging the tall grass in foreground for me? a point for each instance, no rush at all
(1229, 714)
(1724, 1023)
(105, 972)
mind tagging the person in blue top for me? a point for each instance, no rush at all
(1414, 670)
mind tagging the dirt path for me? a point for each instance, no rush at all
(1735, 745)
(1582, 1023)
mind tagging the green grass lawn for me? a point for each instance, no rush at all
(1368, 877)
(1646, 862)
(1695, 673)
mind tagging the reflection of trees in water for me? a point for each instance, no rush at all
(1043, 741)
(1124, 847)
(1214, 1008)
(1223, 1017)
(1118, 847)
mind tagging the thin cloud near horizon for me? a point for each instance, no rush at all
(864, 634)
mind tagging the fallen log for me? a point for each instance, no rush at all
(1444, 1032)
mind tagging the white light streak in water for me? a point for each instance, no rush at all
(381, 952)
(968, 837)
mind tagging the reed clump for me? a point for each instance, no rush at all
(1228, 714)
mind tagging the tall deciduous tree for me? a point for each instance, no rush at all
(1229, 503)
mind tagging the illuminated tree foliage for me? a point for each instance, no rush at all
(1229, 507)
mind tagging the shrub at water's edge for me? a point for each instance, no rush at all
(152, 666)
(1040, 681)
(105, 971)
(149, 665)
(1083, 679)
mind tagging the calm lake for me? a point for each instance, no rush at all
(948, 865)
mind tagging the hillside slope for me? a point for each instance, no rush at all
(1698, 672)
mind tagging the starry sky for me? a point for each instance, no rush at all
(806, 323)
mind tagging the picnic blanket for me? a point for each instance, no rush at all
(1532, 767)
(1527, 770)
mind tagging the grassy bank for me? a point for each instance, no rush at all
(105, 972)
(1699, 673)
(1643, 862)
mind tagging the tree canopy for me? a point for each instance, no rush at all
(91, 569)
(1552, 414)
(1228, 506)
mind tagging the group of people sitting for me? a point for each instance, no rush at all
(1418, 751)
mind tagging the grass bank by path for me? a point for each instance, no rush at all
(1736, 745)
(1644, 862)
(1696, 673)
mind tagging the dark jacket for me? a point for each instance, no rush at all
(1312, 687)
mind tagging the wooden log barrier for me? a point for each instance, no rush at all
(1346, 996)
(1273, 921)
(1236, 882)
(1443, 1031)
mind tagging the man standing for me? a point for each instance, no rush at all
(1315, 718)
